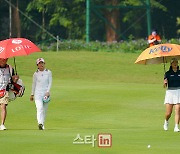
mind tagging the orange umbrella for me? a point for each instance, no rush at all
(161, 53)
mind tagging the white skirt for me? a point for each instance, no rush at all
(172, 96)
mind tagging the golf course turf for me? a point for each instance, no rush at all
(92, 93)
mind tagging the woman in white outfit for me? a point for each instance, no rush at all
(42, 81)
(172, 97)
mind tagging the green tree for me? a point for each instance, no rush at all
(4, 20)
(123, 22)
(178, 24)
(65, 18)
(16, 28)
(165, 20)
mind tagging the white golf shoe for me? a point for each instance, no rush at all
(176, 129)
(2, 127)
(165, 126)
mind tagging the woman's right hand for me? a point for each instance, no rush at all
(165, 82)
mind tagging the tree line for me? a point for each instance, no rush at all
(39, 20)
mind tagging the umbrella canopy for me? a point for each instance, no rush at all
(17, 47)
(161, 53)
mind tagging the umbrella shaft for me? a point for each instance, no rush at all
(15, 70)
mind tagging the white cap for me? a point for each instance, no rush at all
(40, 60)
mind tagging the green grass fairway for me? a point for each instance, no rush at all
(92, 93)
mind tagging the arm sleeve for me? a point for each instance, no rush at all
(158, 38)
(150, 39)
(33, 84)
(166, 75)
(50, 81)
